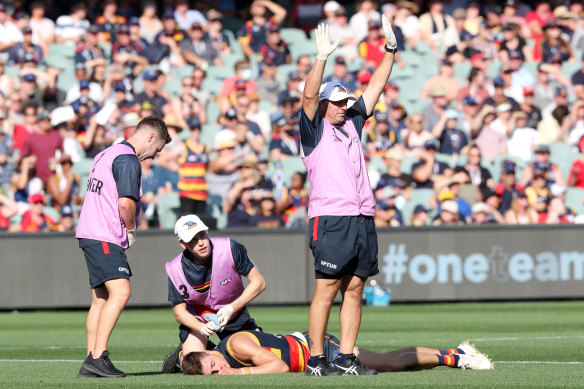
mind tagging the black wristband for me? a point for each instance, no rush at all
(392, 51)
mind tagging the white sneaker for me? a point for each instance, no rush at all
(475, 362)
(468, 348)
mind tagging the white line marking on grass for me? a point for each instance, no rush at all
(528, 338)
(78, 347)
(541, 362)
(67, 360)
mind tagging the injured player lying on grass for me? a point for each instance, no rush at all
(262, 353)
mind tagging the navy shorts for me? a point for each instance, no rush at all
(106, 261)
(343, 245)
(332, 346)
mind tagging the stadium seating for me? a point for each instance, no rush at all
(418, 196)
(53, 213)
(168, 209)
(574, 199)
(290, 166)
(563, 155)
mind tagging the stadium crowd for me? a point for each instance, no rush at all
(482, 121)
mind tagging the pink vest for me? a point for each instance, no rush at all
(100, 216)
(339, 184)
(225, 285)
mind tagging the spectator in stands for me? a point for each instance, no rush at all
(241, 109)
(329, 9)
(542, 162)
(88, 52)
(43, 144)
(483, 44)
(149, 23)
(292, 88)
(85, 105)
(576, 175)
(8, 209)
(428, 172)
(275, 47)
(513, 42)
(508, 187)
(538, 193)
(485, 214)
(489, 137)
(24, 182)
(66, 221)
(434, 23)
(186, 17)
(533, 113)
(285, 139)
(520, 212)
(252, 35)
(126, 53)
(520, 76)
(445, 79)
(578, 81)
(165, 49)
(340, 74)
(223, 165)
(6, 151)
(152, 94)
(243, 75)
(499, 97)
(455, 35)
(72, 28)
(393, 175)
(557, 212)
(109, 23)
(6, 82)
(553, 45)
(537, 20)
(553, 128)
(198, 50)
(246, 140)
(34, 219)
(476, 88)
(214, 34)
(473, 172)
(260, 116)
(448, 215)
(433, 112)
(415, 137)
(243, 210)
(386, 212)
(371, 48)
(339, 27)
(153, 184)
(10, 34)
(43, 28)
(420, 216)
(247, 177)
(27, 127)
(513, 15)
(524, 139)
(449, 190)
(95, 140)
(267, 83)
(95, 89)
(576, 119)
(187, 107)
(407, 20)
(294, 201)
(63, 186)
(303, 65)
(202, 95)
(267, 215)
(381, 136)
(25, 51)
(366, 12)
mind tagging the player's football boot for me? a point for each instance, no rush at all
(470, 349)
(320, 366)
(353, 366)
(171, 363)
(475, 362)
(100, 367)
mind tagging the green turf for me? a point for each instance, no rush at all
(508, 332)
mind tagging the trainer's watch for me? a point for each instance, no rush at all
(389, 50)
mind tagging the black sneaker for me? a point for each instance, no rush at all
(170, 364)
(353, 366)
(101, 367)
(321, 366)
(84, 373)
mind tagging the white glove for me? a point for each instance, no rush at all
(324, 48)
(208, 329)
(389, 35)
(225, 314)
(215, 319)
(131, 237)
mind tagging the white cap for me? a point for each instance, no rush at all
(557, 190)
(188, 226)
(387, 192)
(503, 107)
(334, 91)
(331, 6)
(61, 115)
(480, 207)
(449, 206)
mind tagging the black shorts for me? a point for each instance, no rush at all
(241, 322)
(343, 245)
(332, 346)
(106, 261)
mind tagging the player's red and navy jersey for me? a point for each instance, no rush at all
(293, 351)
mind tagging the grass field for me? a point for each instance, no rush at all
(534, 344)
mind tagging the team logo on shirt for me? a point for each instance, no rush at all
(225, 281)
(356, 139)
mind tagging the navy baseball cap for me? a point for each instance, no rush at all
(498, 82)
(124, 29)
(420, 208)
(340, 61)
(66, 210)
(542, 149)
(430, 144)
(120, 86)
(469, 100)
(28, 78)
(561, 91)
(84, 84)
(295, 75)
(194, 124)
(134, 21)
(508, 167)
(168, 14)
(150, 75)
(380, 116)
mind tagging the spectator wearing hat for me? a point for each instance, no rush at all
(214, 34)
(557, 212)
(252, 35)
(66, 220)
(366, 11)
(43, 144)
(285, 139)
(508, 186)
(407, 20)
(10, 34)
(543, 163)
(84, 100)
(293, 202)
(393, 175)
(165, 48)
(329, 10)
(433, 111)
(553, 44)
(95, 89)
(198, 50)
(25, 51)
(380, 137)
(127, 52)
(414, 136)
(483, 43)
(499, 96)
(186, 106)
(520, 76)
(445, 79)
(514, 43)
(275, 47)
(110, 22)
(88, 52)
(72, 28)
(520, 211)
(514, 13)
(537, 20)
(292, 89)
(34, 219)
(64, 186)
(186, 17)
(152, 94)
(420, 216)
(246, 84)
(452, 140)
(386, 212)
(537, 192)
(340, 28)
(485, 214)
(341, 75)
(428, 171)
(371, 48)
(267, 82)
(434, 23)
(223, 164)
(523, 139)
(449, 190)
(448, 214)
(456, 34)
(561, 97)
(527, 106)
(248, 177)
(466, 116)
(149, 25)
(491, 141)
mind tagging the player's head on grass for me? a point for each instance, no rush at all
(203, 363)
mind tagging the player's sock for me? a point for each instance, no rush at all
(450, 360)
(313, 358)
(342, 357)
(450, 351)
(178, 358)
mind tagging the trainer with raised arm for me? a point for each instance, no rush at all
(106, 229)
(341, 207)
